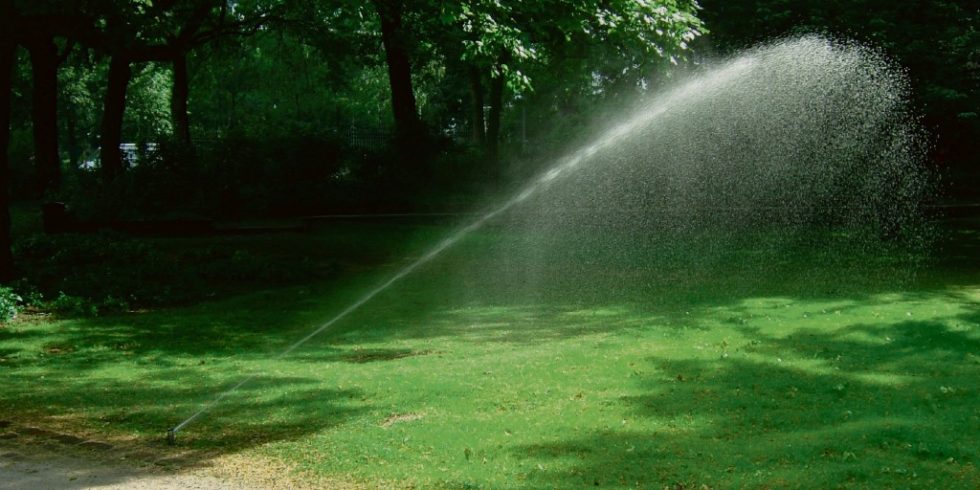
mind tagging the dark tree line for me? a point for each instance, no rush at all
(124, 33)
(482, 70)
(487, 48)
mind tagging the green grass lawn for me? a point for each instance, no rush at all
(798, 375)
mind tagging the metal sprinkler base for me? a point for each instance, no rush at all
(171, 437)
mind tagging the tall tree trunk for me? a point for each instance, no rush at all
(178, 99)
(44, 108)
(478, 120)
(71, 135)
(393, 38)
(496, 108)
(112, 117)
(7, 51)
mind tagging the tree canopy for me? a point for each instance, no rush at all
(388, 97)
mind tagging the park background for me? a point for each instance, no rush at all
(190, 186)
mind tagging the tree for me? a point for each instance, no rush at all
(572, 42)
(397, 48)
(8, 47)
(38, 26)
(112, 116)
(181, 44)
(163, 32)
(44, 68)
(190, 25)
(178, 99)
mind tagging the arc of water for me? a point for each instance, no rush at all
(608, 139)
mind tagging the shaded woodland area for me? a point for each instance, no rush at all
(227, 109)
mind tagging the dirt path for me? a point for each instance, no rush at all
(35, 469)
(40, 458)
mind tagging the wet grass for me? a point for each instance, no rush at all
(800, 374)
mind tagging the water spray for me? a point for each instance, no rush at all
(643, 118)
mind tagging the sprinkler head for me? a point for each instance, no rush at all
(171, 437)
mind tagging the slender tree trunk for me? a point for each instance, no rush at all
(479, 122)
(44, 67)
(496, 108)
(7, 52)
(393, 38)
(71, 130)
(178, 99)
(112, 117)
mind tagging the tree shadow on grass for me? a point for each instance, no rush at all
(141, 374)
(266, 409)
(461, 294)
(140, 415)
(258, 323)
(846, 412)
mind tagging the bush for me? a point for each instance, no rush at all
(10, 304)
(243, 174)
(92, 274)
(73, 306)
(237, 175)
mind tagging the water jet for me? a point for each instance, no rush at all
(799, 133)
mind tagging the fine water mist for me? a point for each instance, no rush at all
(799, 151)
(803, 144)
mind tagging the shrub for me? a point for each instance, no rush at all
(73, 306)
(90, 274)
(242, 174)
(10, 303)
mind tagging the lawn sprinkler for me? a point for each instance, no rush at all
(172, 436)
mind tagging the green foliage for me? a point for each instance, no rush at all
(94, 274)
(306, 76)
(241, 176)
(148, 104)
(316, 69)
(282, 174)
(10, 304)
(73, 306)
(79, 80)
(83, 306)
(512, 38)
(262, 71)
(225, 178)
